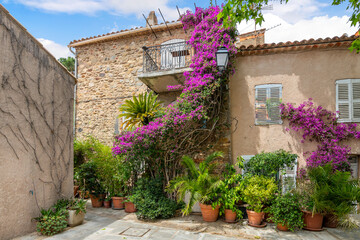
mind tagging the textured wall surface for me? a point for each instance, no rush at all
(108, 76)
(303, 75)
(36, 111)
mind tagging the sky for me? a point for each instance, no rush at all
(55, 23)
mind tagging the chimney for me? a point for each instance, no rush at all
(152, 19)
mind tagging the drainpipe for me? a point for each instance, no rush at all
(76, 76)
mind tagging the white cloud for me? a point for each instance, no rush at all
(55, 49)
(316, 27)
(125, 7)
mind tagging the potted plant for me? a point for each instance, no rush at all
(107, 201)
(76, 209)
(201, 184)
(129, 205)
(286, 212)
(231, 193)
(258, 190)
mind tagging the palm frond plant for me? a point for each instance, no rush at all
(199, 182)
(140, 110)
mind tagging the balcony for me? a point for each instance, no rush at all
(165, 64)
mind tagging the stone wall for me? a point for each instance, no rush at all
(36, 112)
(108, 76)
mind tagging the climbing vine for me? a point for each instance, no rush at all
(321, 126)
(197, 115)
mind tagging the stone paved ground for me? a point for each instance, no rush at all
(111, 224)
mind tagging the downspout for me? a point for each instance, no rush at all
(76, 76)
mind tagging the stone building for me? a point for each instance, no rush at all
(36, 112)
(115, 66)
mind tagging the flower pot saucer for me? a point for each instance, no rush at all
(262, 225)
(313, 229)
(236, 221)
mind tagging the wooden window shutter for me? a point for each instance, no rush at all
(343, 100)
(356, 100)
(260, 106)
(273, 104)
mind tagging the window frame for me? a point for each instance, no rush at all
(350, 82)
(268, 87)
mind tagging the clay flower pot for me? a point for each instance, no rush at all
(76, 189)
(130, 207)
(230, 215)
(97, 200)
(254, 217)
(330, 221)
(282, 227)
(107, 204)
(313, 223)
(118, 203)
(208, 213)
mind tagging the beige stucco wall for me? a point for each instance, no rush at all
(303, 75)
(36, 111)
(108, 76)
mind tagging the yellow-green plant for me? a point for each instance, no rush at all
(140, 110)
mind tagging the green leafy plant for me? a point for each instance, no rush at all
(258, 191)
(140, 110)
(286, 210)
(199, 182)
(79, 205)
(231, 188)
(151, 201)
(90, 180)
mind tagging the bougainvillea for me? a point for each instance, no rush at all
(194, 117)
(320, 125)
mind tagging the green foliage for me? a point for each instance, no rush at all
(150, 200)
(140, 110)
(199, 181)
(258, 191)
(269, 164)
(231, 188)
(69, 63)
(286, 210)
(79, 205)
(329, 191)
(355, 45)
(90, 180)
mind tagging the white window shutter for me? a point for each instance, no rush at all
(260, 106)
(288, 180)
(356, 100)
(343, 100)
(246, 160)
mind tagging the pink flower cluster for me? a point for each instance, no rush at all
(207, 36)
(320, 125)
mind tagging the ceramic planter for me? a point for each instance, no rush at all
(208, 213)
(118, 203)
(75, 219)
(130, 207)
(313, 223)
(230, 215)
(282, 227)
(330, 221)
(97, 200)
(254, 217)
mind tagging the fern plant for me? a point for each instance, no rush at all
(199, 182)
(140, 110)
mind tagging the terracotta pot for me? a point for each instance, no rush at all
(97, 200)
(130, 207)
(282, 227)
(230, 215)
(313, 222)
(118, 203)
(107, 204)
(76, 189)
(254, 217)
(330, 221)
(208, 213)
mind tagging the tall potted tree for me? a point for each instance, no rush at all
(201, 184)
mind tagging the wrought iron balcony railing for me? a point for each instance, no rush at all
(167, 56)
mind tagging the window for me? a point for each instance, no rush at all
(354, 164)
(348, 100)
(267, 102)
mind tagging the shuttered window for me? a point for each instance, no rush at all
(267, 102)
(348, 100)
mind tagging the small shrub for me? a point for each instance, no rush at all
(150, 200)
(51, 225)
(286, 210)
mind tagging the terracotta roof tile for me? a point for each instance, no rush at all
(266, 48)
